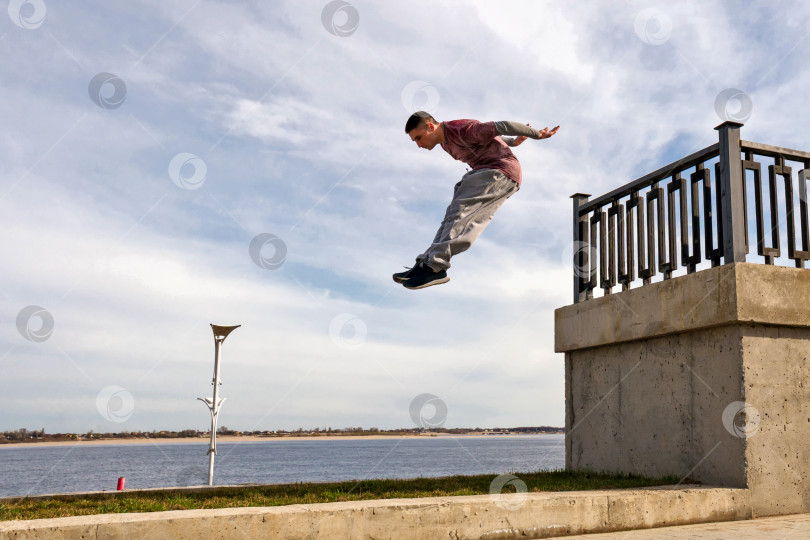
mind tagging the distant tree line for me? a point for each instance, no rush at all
(31, 436)
(23, 434)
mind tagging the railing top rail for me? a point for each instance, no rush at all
(773, 151)
(684, 163)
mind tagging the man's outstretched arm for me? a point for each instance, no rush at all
(522, 132)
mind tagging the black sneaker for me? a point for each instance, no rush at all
(402, 277)
(424, 276)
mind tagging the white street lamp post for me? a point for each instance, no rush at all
(214, 403)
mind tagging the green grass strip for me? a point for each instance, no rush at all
(308, 493)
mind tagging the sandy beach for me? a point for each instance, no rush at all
(234, 438)
(249, 438)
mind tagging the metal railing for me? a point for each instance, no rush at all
(697, 207)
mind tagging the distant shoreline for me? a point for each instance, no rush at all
(255, 438)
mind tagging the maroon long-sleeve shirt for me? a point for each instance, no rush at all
(478, 145)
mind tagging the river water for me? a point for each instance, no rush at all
(41, 469)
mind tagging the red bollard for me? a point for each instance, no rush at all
(121, 483)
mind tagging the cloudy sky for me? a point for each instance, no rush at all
(146, 146)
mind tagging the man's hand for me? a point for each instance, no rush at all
(545, 133)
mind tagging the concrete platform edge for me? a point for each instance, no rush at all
(532, 515)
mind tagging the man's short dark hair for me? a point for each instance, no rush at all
(418, 119)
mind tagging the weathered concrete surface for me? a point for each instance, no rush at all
(535, 515)
(655, 407)
(773, 528)
(776, 363)
(732, 293)
(704, 376)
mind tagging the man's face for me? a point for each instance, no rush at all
(426, 136)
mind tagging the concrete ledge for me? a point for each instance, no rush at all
(535, 515)
(728, 294)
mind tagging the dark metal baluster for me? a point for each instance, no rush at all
(670, 263)
(778, 168)
(749, 164)
(648, 271)
(626, 248)
(630, 274)
(790, 208)
(655, 234)
(803, 255)
(616, 239)
(661, 230)
(604, 280)
(714, 252)
(590, 249)
(692, 260)
(596, 249)
(636, 203)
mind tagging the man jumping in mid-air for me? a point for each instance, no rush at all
(494, 176)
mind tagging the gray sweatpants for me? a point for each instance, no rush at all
(476, 198)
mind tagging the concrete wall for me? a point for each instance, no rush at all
(704, 376)
(655, 406)
(777, 384)
(521, 515)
